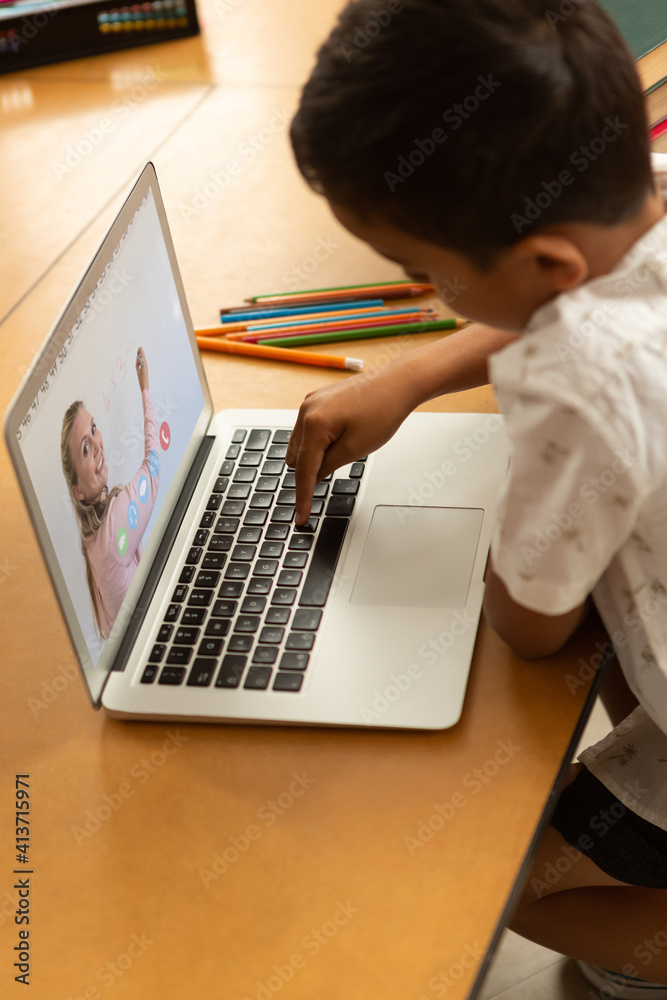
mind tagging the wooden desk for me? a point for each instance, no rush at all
(234, 862)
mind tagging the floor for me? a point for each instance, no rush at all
(522, 970)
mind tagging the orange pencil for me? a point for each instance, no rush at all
(251, 336)
(280, 354)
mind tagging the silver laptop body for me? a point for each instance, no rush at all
(231, 614)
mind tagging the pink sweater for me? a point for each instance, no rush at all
(114, 552)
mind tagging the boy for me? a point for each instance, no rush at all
(498, 148)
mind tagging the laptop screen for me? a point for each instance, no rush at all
(106, 433)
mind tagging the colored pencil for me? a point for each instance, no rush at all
(365, 334)
(253, 336)
(235, 313)
(390, 289)
(288, 322)
(278, 354)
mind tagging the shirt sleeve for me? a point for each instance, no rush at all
(569, 504)
(130, 511)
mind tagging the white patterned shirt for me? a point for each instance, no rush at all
(584, 511)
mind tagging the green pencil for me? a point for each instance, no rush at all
(364, 333)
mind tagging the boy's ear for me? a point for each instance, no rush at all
(554, 260)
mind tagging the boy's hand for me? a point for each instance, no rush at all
(142, 369)
(340, 423)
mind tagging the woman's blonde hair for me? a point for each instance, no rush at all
(89, 516)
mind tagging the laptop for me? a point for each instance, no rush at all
(188, 591)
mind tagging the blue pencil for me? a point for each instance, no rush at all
(240, 313)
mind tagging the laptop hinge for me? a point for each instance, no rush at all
(137, 618)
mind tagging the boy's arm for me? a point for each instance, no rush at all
(340, 423)
(529, 634)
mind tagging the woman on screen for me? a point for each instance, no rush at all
(111, 521)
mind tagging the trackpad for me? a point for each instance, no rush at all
(418, 557)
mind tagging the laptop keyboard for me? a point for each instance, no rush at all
(248, 604)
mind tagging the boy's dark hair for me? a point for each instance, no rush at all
(471, 123)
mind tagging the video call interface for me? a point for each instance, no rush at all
(107, 431)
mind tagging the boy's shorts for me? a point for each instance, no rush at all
(617, 840)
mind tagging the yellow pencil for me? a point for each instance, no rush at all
(280, 354)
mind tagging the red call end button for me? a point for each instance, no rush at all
(165, 435)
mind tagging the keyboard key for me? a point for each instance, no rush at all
(253, 605)
(323, 562)
(193, 616)
(266, 567)
(224, 609)
(345, 487)
(186, 635)
(261, 501)
(267, 484)
(227, 468)
(271, 550)
(260, 585)
(310, 526)
(300, 640)
(295, 560)
(239, 491)
(276, 451)
(252, 459)
(194, 555)
(316, 506)
(246, 623)
(200, 598)
(265, 654)
(239, 435)
(244, 553)
(357, 470)
(282, 514)
(239, 643)
(213, 560)
(172, 613)
(277, 532)
(286, 497)
(339, 506)
(211, 647)
(321, 489)
(237, 571)
(302, 543)
(233, 451)
(180, 594)
(218, 627)
(287, 681)
(289, 578)
(249, 536)
(230, 588)
(202, 672)
(164, 633)
(274, 468)
(207, 577)
(214, 502)
(232, 508)
(294, 661)
(208, 517)
(271, 634)
(307, 619)
(179, 655)
(289, 480)
(222, 542)
(245, 475)
(150, 673)
(227, 524)
(283, 596)
(281, 436)
(254, 517)
(258, 440)
(231, 671)
(157, 653)
(258, 678)
(278, 616)
(221, 484)
(172, 675)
